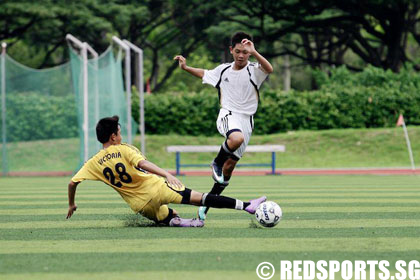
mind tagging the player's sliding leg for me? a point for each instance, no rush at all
(167, 216)
(215, 201)
(219, 201)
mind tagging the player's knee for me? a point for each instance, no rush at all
(236, 139)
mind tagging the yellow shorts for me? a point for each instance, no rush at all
(157, 209)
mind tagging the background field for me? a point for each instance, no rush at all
(325, 217)
(380, 147)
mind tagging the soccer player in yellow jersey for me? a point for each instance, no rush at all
(147, 188)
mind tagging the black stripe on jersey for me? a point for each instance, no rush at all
(218, 83)
(254, 84)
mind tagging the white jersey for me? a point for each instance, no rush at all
(237, 88)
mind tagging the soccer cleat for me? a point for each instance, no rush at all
(251, 208)
(202, 213)
(217, 173)
(179, 222)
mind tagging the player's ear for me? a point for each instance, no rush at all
(231, 50)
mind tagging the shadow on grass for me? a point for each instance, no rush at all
(253, 223)
(137, 220)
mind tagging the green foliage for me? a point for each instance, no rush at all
(371, 76)
(180, 80)
(183, 113)
(35, 116)
(372, 98)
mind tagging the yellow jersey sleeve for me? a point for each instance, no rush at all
(85, 173)
(134, 156)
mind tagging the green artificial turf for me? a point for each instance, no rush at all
(325, 218)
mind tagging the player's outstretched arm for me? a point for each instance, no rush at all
(198, 72)
(72, 193)
(265, 64)
(153, 168)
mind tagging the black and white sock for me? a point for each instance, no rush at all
(219, 188)
(220, 201)
(224, 153)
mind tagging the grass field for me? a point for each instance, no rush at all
(381, 147)
(325, 217)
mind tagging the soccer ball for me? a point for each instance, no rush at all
(268, 214)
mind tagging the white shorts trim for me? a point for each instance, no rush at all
(228, 120)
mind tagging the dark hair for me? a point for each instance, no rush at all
(106, 127)
(238, 37)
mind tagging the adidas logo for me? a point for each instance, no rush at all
(226, 80)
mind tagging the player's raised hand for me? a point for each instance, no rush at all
(182, 62)
(72, 208)
(249, 46)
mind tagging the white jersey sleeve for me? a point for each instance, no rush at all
(260, 74)
(212, 77)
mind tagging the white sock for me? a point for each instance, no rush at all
(239, 205)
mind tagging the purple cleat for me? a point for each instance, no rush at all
(179, 222)
(251, 208)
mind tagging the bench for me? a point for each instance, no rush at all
(209, 149)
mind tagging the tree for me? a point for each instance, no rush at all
(375, 30)
(43, 25)
(316, 32)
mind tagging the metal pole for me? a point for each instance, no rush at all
(273, 163)
(141, 93)
(85, 103)
(178, 163)
(3, 108)
(95, 89)
(127, 84)
(95, 86)
(410, 152)
(84, 47)
(140, 88)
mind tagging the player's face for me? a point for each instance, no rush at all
(240, 55)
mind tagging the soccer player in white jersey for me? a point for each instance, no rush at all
(238, 84)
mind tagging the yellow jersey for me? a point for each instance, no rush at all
(116, 166)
